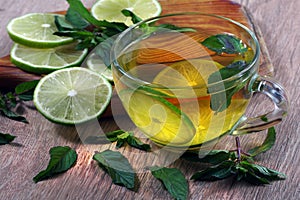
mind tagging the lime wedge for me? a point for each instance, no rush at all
(110, 10)
(36, 30)
(73, 95)
(46, 60)
(95, 63)
(160, 120)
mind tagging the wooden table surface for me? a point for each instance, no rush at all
(21, 161)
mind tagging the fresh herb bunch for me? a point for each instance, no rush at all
(9, 101)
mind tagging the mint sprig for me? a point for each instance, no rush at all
(239, 165)
(9, 101)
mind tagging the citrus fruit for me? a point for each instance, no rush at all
(36, 30)
(160, 120)
(110, 10)
(46, 60)
(190, 75)
(95, 63)
(73, 95)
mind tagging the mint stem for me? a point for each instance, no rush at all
(238, 149)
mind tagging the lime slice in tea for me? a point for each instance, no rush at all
(73, 95)
(110, 10)
(36, 30)
(160, 120)
(46, 60)
(188, 73)
(95, 63)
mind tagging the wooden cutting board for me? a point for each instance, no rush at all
(10, 75)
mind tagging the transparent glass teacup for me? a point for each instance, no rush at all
(180, 91)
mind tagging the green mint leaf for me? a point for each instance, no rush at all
(26, 97)
(222, 92)
(117, 167)
(77, 6)
(11, 99)
(213, 157)
(224, 43)
(173, 180)
(76, 34)
(26, 87)
(62, 24)
(134, 18)
(254, 179)
(264, 172)
(215, 172)
(6, 138)
(113, 135)
(137, 143)
(12, 115)
(75, 19)
(266, 145)
(61, 159)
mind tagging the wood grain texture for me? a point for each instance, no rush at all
(22, 160)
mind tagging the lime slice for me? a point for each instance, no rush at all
(46, 60)
(73, 95)
(95, 63)
(110, 10)
(36, 30)
(160, 120)
(186, 74)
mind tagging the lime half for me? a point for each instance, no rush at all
(46, 60)
(110, 10)
(73, 95)
(95, 63)
(36, 30)
(160, 120)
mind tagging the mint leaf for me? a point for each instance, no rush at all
(117, 167)
(78, 7)
(137, 143)
(12, 115)
(263, 172)
(215, 172)
(61, 159)
(266, 145)
(222, 91)
(62, 24)
(26, 87)
(173, 180)
(75, 19)
(6, 138)
(224, 43)
(213, 157)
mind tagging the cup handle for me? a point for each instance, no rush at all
(271, 88)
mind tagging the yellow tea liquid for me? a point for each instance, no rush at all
(175, 110)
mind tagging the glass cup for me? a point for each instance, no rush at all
(181, 92)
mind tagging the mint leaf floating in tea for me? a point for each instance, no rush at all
(117, 167)
(224, 43)
(266, 145)
(6, 138)
(173, 180)
(222, 91)
(62, 159)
